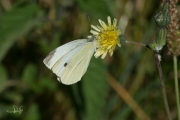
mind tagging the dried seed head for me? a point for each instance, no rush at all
(173, 36)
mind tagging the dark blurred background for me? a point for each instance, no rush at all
(30, 29)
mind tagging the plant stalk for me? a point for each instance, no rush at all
(176, 85)
(163, 86)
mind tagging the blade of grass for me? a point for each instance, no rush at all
(127, 98)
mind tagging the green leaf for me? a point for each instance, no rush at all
(13, 96)
(3, 78)
(48, 83)
(95, 89)
(15, 24)
(29, 74)
(32, 113)
(29, 77)
(47, 46)
(97, 8)
(3, 75)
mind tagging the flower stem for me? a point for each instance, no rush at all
(163, 86)
(136, 43)
(176, 85)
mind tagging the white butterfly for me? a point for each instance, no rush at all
(70, 61)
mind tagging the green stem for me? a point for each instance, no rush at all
(136, 43)
(176, 85)
(163, 86)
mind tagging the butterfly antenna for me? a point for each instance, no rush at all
(88, 16)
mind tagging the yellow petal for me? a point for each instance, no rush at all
(100, 28)
(94, 32)
(97, 54)
(109, 20)
(119, 44)
(111, 52)
(102, 24)
(109, 47)
(115, 22)
(104, 55)
(94, 27)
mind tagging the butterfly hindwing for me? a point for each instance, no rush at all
(77, 66)
(59, 66)
(80, 69)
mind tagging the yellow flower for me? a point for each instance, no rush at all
(107, 37)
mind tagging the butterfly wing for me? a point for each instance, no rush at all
(70, 61)
(64, 61)
(77, 66)
(56, 54)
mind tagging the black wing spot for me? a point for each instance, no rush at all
(65, 64)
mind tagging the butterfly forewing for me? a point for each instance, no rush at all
(56, 54)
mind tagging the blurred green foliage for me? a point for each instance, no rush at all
(30, 29)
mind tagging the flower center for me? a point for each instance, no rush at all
(108, 37)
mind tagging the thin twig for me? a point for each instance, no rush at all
(163, 86)
(176, 85)
(127, 98)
